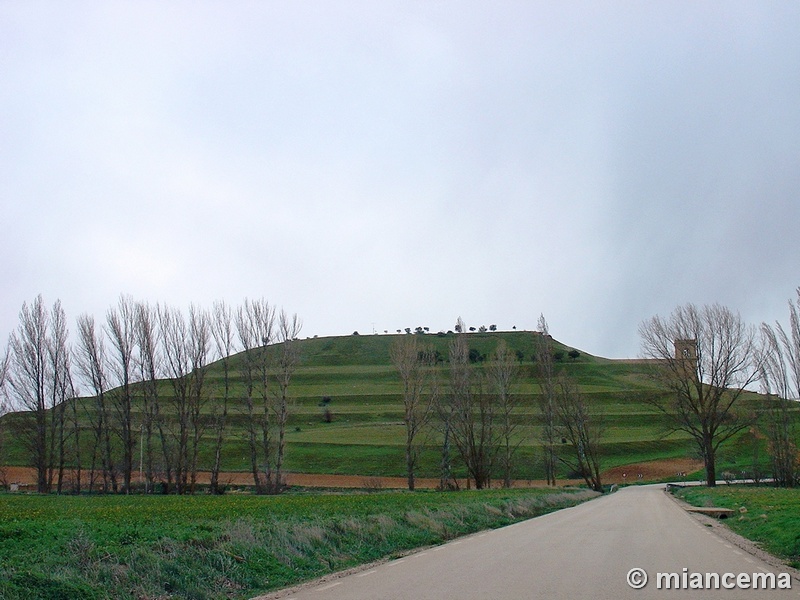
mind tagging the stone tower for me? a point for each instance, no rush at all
(686, 352)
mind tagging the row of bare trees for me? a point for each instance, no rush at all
(475, 411)
(706, 360)
(36, 369)
(149, 398)
(149, 402)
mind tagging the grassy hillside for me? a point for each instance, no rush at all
(366, 434)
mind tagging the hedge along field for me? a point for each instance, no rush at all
(765, 515)
(209, 547)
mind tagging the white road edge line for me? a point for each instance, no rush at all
(364, 574)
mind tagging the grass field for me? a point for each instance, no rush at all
(765, 515)
(366, 436)
(213, 547)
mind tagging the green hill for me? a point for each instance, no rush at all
(363, 432)
(366, 435)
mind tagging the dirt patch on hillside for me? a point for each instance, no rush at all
(651, 470)
(25, 477)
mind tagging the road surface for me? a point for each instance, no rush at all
(581, 552)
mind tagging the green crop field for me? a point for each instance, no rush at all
(232, 546)
(365, 435)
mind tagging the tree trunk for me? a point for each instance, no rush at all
(710, 460)
(410, 465)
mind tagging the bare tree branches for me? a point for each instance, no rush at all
(706, 357)
(502, 373)
(472, 415)
(222, 331)
(28, 378)
(61, 391)
(186, 347)
(412, 363)
(4, 360)
(148, 362)
(121, 323)
(4, 408)
(289, 357)
(38, 375)
(780, 378)
(122, 365)
(581, 429)
(90, 359)
(255, 322)
(547, 398)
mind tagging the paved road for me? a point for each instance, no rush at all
(577, 553)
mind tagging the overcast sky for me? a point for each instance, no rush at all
(382, 165)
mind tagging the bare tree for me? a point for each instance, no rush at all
(186, 346)
(177, 363)
(779, 419)
(472, 415)
(199, 346)
(4, 408)
(90, 360)
(4, 361)
(547, 398)
(39, 379)
(444, 413)
(790, 342)
(121, 329)
(780, 378)
(3, 371)
(222, 330)
(28, 377)
(581, 429)
(289, 357)
(61, 390)
(412, 362)
(445, 418)
(705, 357)
(255, 321)
(502, 373)
(148, 361)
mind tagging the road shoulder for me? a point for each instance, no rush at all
(719, 528)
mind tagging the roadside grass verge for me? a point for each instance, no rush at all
(766, 515)
(209, 547)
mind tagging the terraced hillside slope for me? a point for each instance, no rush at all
(346, 414)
